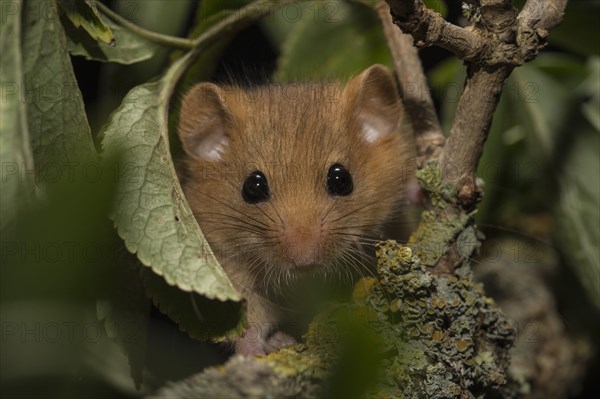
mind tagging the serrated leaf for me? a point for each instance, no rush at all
(335, 39)
(83, 13)
(129, 48)
(151, 213)
(15, 150)
(58, 126)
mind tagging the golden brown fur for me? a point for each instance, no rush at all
(293, 134)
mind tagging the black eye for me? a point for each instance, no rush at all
(255, 188)
(339, 180)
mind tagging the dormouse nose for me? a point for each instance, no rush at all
(301, 240)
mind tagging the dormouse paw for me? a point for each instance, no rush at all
(279, 340)
(250, 345)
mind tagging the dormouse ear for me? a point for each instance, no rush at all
(374, 100)
(204, 121)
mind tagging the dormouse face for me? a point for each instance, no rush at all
(285, 179)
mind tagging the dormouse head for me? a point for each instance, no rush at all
(288, 178)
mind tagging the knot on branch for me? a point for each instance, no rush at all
(469, 194)
(498, 37)
(532, 41)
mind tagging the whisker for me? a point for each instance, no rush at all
(276, 212)
(264, 213)
(354, 226)
(354, 211)
(328, 211)
(230, 207)
(262, 226)
(234, 227)
(361, 238)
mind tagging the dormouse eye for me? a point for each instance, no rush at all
(339, 180)
(255, 188)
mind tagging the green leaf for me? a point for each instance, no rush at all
(196, 315)
(58, 126)
(208, 14)
(151, 213)
(210, 8)
(540, 104)
(437, 6)
(76, 361)
(126, 316)
(360, 361)
(168, 17)
(84, 14)
(578, 212)
(536, 113)
(334, 39)
(15, 150)
(128, 47)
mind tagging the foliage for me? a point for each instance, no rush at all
(543, 144)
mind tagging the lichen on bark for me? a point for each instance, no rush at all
(441, 225)
(450, 339)
(438, 336)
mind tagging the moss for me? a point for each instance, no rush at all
(293, 361)
(441, 225)
(430, 180)
(435, 234)
(441, 336)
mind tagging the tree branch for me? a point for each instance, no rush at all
(469, 132)
(534, 21)
(493, 46)
(429, 138)
(428, 28)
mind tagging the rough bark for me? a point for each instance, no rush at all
(411, 291)
(498, 40)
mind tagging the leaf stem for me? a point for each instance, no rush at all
(238, 20)
(241, 18)
(158, 38)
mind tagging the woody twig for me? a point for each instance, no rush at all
(498, 40)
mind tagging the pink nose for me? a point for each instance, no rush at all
(301, 244)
